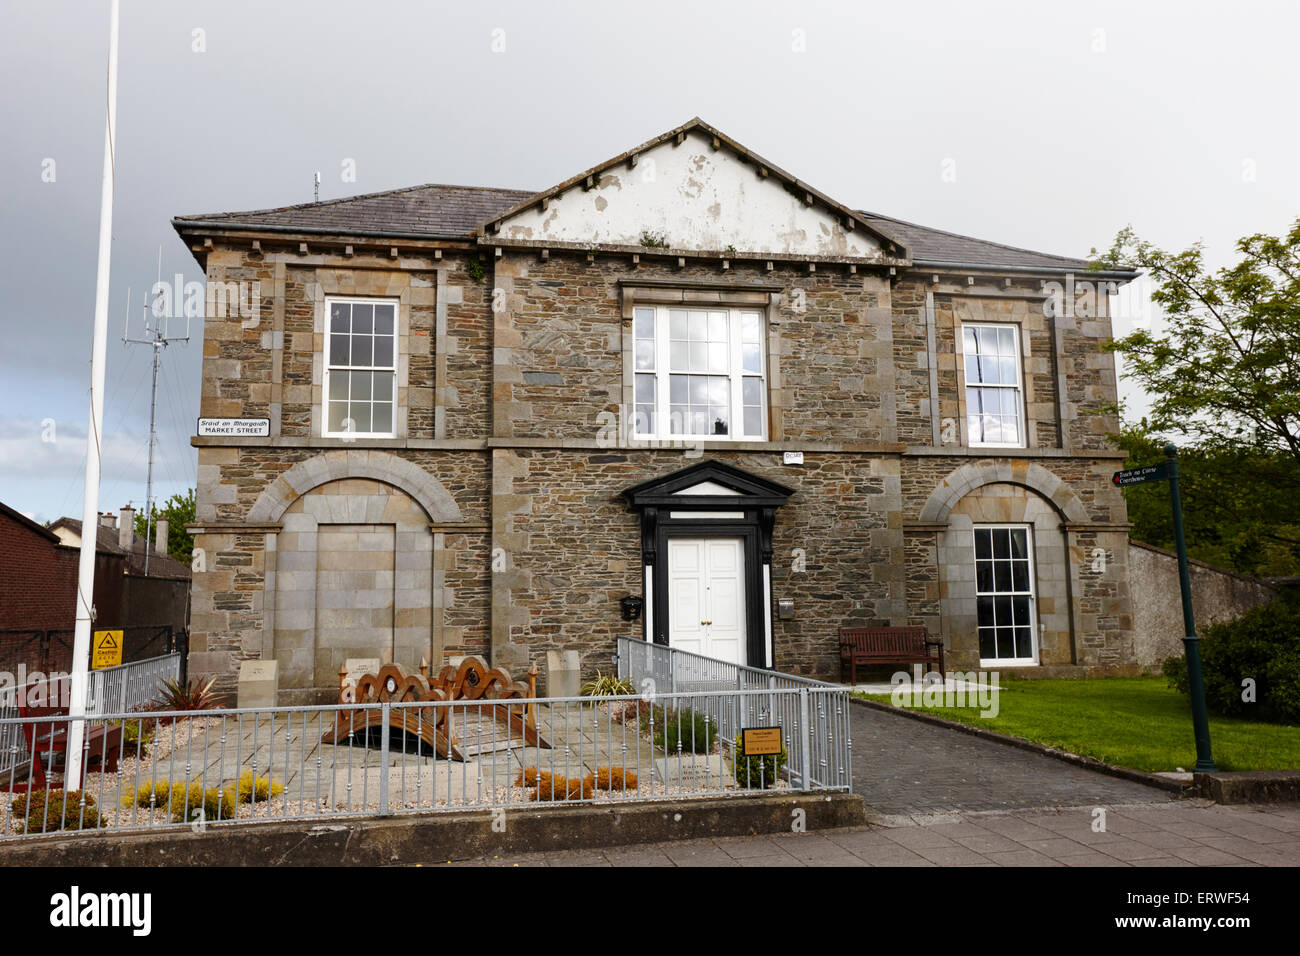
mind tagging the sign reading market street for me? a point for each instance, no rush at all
(237, 427)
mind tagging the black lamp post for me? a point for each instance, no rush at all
(1191, 643)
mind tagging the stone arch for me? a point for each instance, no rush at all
(310, 473)
(969, 478)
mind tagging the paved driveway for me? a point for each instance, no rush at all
(904, 766)
(939, 797)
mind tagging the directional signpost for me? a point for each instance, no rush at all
(1136, 476)
(1168, 471)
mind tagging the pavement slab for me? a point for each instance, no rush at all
(986, 839)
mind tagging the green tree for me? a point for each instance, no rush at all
(179, 512)
(1226, 369)
(1239, 507)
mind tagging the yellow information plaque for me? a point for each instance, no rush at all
(762, 741)
(106, 649)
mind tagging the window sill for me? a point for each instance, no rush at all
(697, 439)
(968, 451)
(1011, 663)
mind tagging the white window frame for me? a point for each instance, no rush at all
(1032, 595)
(736, 373)
(325, 390)
(1019, 387)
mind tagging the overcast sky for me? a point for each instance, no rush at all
(1062, 125)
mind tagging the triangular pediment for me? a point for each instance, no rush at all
(709, 482)
(694, 190)
(707, 488)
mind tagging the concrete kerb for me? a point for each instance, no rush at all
(407, 839)
(1250, 786)
(1078, 760)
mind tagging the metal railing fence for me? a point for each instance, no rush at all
(112, 689)
(813, 715)
(290, 763)
(11, 732)
(131, 686)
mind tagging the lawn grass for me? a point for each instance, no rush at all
(1137, 722)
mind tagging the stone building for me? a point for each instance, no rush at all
(684, 375)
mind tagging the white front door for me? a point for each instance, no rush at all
(706, 597)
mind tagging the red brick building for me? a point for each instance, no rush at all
(38, 587)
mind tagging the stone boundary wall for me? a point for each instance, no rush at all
(1217, 595)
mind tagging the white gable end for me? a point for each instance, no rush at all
(692, 197)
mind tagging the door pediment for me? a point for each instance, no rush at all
(708, 486)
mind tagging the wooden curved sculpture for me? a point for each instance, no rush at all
(470, 681)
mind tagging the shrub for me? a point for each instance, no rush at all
(581, 789)
(194, 694)
(544, 784)
(548, 786)
(528, 777)
(250, 789)
(608, 685)
(137, 735)
(692, 732)
(1263, 644)
(45, 811)
(758, 771)
(623, 711)
(217, 803)
(155, 793)
(614, 778)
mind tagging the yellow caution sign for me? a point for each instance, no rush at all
(106, 649)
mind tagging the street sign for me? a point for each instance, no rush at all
(106, 649)
(234, 427)
(1136, 476)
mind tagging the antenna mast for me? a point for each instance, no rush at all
(156, 337)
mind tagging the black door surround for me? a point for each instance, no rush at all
(661, 505)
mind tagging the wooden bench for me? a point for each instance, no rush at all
(887, 645)
(46, 734)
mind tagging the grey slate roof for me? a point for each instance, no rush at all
(432, 210)
(106, 542)
(455, 212)
(938, 246)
